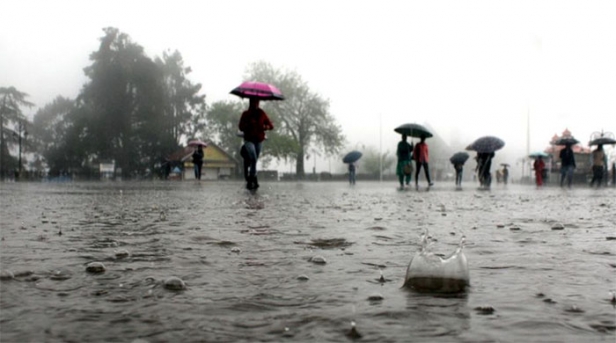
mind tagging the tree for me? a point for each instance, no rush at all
(370, 161)
(135, 110)
(51, 130)
(11, 102)
(185, 108)
(223, 118)
(302, 119)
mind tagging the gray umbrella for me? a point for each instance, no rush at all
(459, 157)
(486, 144)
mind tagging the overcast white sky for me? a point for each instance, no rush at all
(467, 68)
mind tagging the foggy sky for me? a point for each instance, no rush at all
(468, 68)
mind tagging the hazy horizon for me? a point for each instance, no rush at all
(467, 68)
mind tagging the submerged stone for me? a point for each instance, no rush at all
(95, 267)
(375, 297)
(7, 275)
(122, 253)
(174, 283)
(318, 259)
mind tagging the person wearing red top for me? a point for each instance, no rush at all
(539, 166)
(421, 156)
(253, 123)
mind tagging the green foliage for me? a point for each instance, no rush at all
(54, 131)
(11, 116)
(223, 118)
(135, 110)
(301, 121)
(369, 163)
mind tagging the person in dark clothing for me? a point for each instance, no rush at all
(253, 123)
(352, 170)
(567, 165)
(197, 159)
(404, 168)
(459, 167)
(505, 174)
(484, 164)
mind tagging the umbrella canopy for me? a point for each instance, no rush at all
(537, 154)
(505, 164)
(566, 141)
(413, 130)
(257, 90)
(197, 143)
(351, 157)
(459, 157)
(602, 141)
(487, 144)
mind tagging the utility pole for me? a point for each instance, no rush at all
(2, 138)
(380, 150)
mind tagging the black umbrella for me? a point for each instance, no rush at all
(459, 157)
(487, 144)
(566, 141)
(413, 130)
(351, 157)
(602, 141)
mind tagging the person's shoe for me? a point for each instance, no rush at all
(431, 184)
(250, 185)
(255, 182)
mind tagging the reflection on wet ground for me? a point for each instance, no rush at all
(191, 262)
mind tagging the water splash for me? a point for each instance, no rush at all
(428, 272)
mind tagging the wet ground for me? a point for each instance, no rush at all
(301, 262)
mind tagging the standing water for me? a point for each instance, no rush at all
(303, 262)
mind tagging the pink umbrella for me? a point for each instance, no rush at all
(258, 90)
(197, 143)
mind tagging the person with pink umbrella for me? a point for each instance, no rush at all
(253, 123)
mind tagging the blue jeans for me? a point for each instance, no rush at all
(352, 176)
(458, 177)
(568, 172)
(251, 154)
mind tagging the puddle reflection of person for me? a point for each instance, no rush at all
(253, 123)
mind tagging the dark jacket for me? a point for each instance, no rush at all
(567, 159)
(404, 151)
(197, 156)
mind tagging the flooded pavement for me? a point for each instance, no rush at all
(301, 262)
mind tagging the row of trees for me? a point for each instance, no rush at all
(136, 110)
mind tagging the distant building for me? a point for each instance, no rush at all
(217, 163)
(582, 156)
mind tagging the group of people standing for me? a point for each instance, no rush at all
(406, 153)
(568, 166)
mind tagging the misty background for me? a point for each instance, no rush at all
(519, 70)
